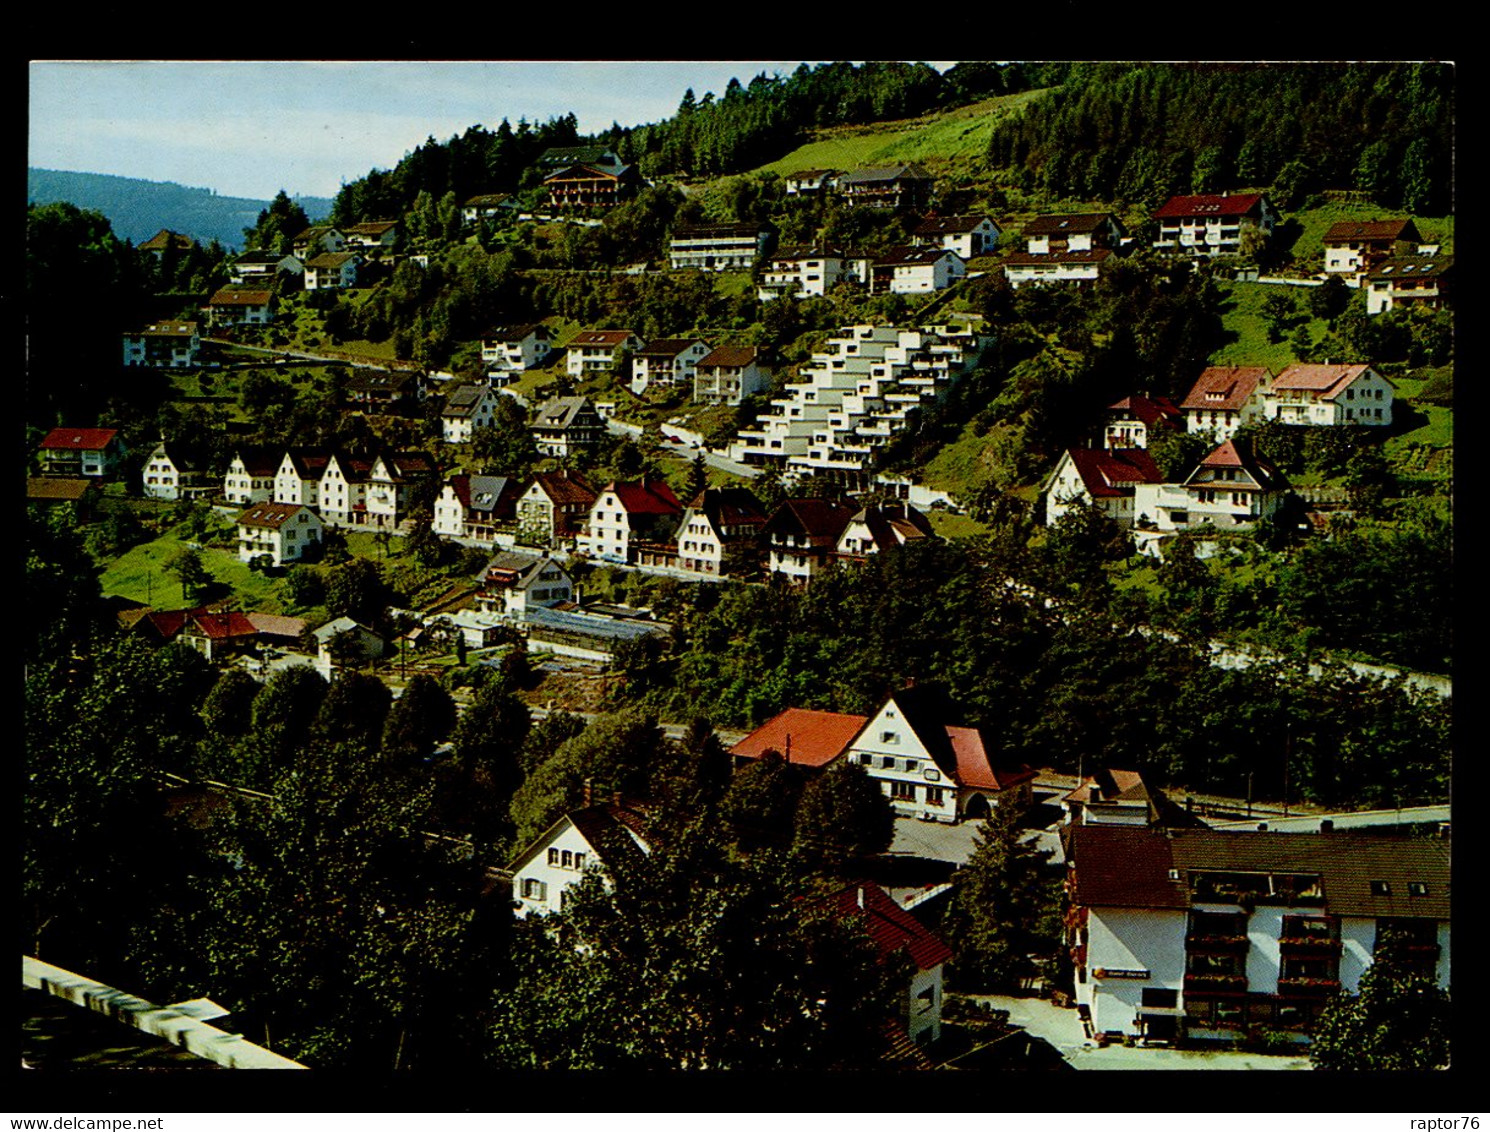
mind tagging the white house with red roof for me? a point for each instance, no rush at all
(718, 519)
(1231, 487)
(897, 933)
(1224, 398)
(283, 531)
(1330, 395)
(802, 536)
(928, 767)
(597, 351)
(553, 507)
(241, 306)
(1213, 224)
(1131, 421)
(80, 452)
(1085, 266)
(1105, 479)
(729, 374)
(625, 515)
(1354, 247)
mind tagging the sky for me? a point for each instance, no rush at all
(249, 129)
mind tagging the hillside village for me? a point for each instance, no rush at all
(1020, 608)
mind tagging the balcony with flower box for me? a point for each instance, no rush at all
(1308, 987)
(1203, 985)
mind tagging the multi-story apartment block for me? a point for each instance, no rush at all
(507, 350)
(801, 272)
(1211, 224)
(1330, 395)
(1354, 247)
(163, 345)
(667, 362)
(717, 247)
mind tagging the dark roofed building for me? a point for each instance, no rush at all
(802, 535)
(1213, 224)
(892, 186)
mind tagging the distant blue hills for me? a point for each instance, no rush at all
(139, 209)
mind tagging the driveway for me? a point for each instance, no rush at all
(1062, 1029)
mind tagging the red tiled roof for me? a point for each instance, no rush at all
(1229, 455)
(237, 297)
(565, 487)
(224, 626)
(600, 337)
(974, 768)
(814, 518)
(892, 928)
(649, 497)
(1234, 385)
(79, 439)
(805, 737)
(1209, 204)
(1149, 410)
(1110, 474)
(1063, 223)
(271, 515)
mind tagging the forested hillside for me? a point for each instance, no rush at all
(138, 209)
(1140, 132)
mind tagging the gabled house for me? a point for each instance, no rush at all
(1103, 478)
(1207, 934)
(666, 362)
(342, 642)
(717, 522)
(298, 478)
(80, 452)
(591, 186)
(507, 350)
(163, 345)
(316, 239)
(175, 470)
(467, 408)
(1133, 420)
(64, 491)
(729, 374)
(968, 236)
(1425, 281)
(165, 240)
(283, 531)
(1231, 487)
(384, 391)
(391, 483)
(487, 206)
(1224, 398)
(598, 351)
(809, 182)
(241, 306)
(513, 583)
(595, 837)
(1213, 224)
(565, 426)
(1073, 232)
(1354, 247)
(802, 536)
(879, 528)
(264, 268)
(717, 247)
(373, 237)
(342, 492)
(1122, 797)
(893, 186)
(213, 633)
(250, 477)
(1330, 395)
(1021, 268)
(553, 507)
(801, 272)
(561, 157)
(472, 507)
(896, 932)
(927, 764)
(911, 270)
(335, 271)
(625, 515)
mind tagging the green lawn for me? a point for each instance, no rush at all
(948, 525)
(1313, 223)
(141, 575)
(1242, 316)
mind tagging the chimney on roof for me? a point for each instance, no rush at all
(589, 794)
(859, 896)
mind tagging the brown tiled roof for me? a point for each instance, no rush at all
(942, 225)
(649, 497)
(731, 357)
(565, 487)
(908, 253)
(64, 488)
(1232, 455)
(514, 333)
(1411, 267)
(1138, 867)
(667, 347)
(1057, 224)
(805, 737)
(165, 238)
(330, 259)
(974, 767)
(1149, 410)
(270, 515)
(1346, 230)
(815, 518)
(1234, 385)
(1328, 381)
(238, 297)
(600, 338)
(890, 173)
(717, 231)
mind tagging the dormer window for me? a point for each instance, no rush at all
(1380, 888)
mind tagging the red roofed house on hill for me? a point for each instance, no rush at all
(1212, 224)
(928, 766)
(895, 932)
(1330, 395)
(729, 374)
(1131, 420)
(1105, 480)
(1230, 488)
(625, 515)
(80, 452)
(1224, 398)
(1208, 933)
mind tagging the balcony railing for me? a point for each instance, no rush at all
(1215, 984)
(1309, 945)
(1216, 942)
(1308, 988)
